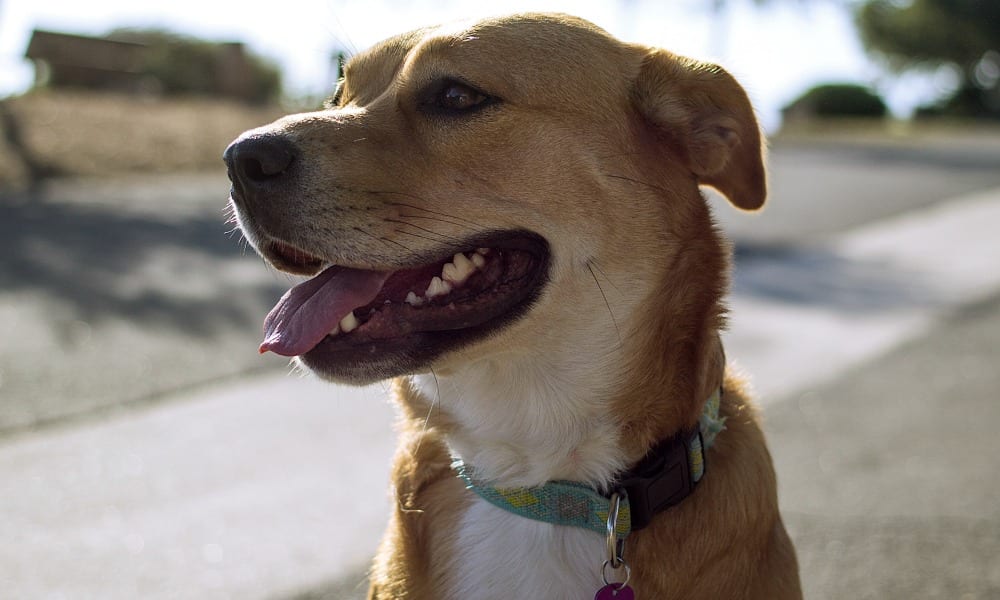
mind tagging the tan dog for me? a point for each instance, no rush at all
(506, 217)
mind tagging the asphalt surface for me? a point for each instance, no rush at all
(147, 450)
(888, 477)
(115, 293)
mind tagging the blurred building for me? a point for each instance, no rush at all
(64, 60)
(97, 63)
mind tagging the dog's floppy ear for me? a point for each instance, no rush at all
(705, 116)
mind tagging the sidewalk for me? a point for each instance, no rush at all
(877, 368)
(888, 477)
(238, 491)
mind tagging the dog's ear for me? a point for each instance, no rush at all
(705, 116)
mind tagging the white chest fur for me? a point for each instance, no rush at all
(525, 422)
(500, 555)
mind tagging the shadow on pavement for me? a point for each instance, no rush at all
(114, 292)
(814, 275)
(103, 264)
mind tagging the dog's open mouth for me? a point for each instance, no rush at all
(351, 315)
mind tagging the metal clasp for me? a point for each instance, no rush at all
(615, 546)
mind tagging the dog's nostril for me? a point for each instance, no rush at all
(259, 159)
(255, 170)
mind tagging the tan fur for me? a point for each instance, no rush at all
(600, 147)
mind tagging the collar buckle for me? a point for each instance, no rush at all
(663, 478)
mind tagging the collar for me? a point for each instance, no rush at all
(663, 478)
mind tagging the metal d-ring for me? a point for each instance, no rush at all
(621, 563)
(614, 546)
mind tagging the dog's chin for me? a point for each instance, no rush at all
(396, 337)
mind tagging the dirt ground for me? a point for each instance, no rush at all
(96, 134)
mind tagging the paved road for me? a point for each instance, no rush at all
(888, 474)
(120, 292)
(274, 487)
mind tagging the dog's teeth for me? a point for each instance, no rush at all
(414, 300)
(458, 270)
(478, 261)
(463, 263)
(349, 323)
(483, 251)
(335, 331)
(437, 288)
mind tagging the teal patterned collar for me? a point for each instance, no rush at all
(666, 476)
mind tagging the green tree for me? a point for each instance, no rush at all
(914, 34)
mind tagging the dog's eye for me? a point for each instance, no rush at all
(460, 97)
(455, 97)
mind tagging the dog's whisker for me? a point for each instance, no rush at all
(241, 240)
(638, 182)
(437, 219)
(423, 431)
(386, 241)
(296, 368)
(416, 235)
(425, 230)
(430, 410)
(434, 212)
(594, 265)
(606, 302)
(438, 236)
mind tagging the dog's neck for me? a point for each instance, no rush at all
(527, 418)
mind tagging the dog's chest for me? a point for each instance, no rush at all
(500, 555)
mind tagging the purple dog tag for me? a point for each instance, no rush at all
(615, 591)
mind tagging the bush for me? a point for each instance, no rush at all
(837, 100)
(969, 102)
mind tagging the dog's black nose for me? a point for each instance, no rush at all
(259, 161)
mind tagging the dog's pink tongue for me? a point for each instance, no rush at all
(308, 311)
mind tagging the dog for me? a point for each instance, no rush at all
(505, 216)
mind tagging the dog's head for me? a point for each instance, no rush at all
(484, 187)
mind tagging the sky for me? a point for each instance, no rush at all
(777, 49)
